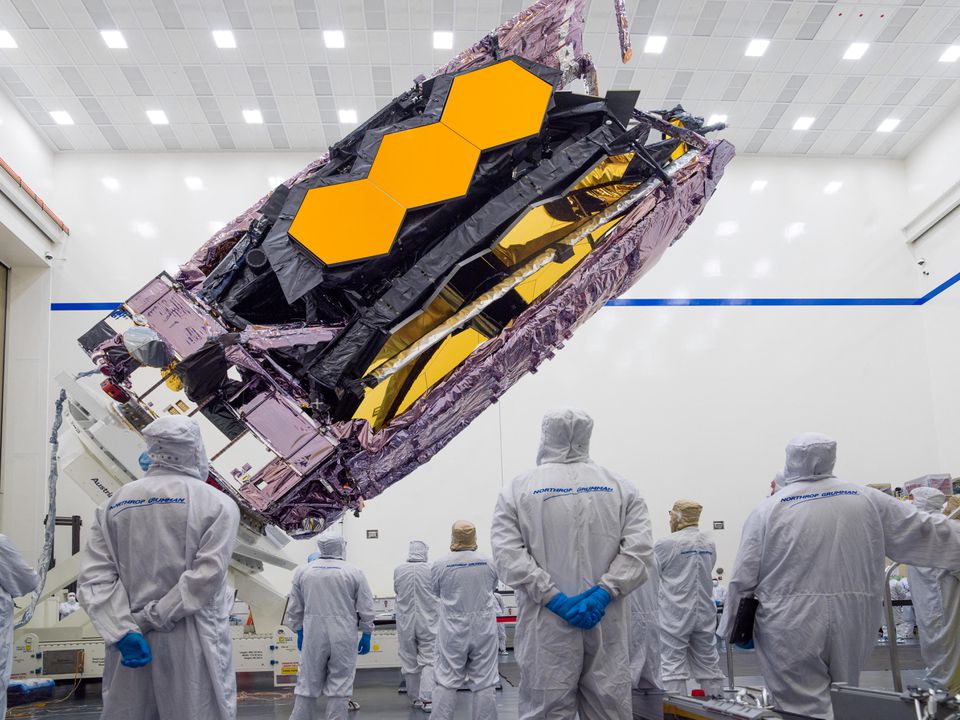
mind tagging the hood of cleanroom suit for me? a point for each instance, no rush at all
(16, 579)
(685, 513)
(928, 499)
(418, 551)
(813, 555)
(175, 447)
(778, 480)
(327, 599)
(463, 536)
(156, 562)
(810, 456)
(332, 546)
(565, 437)
(565, 526)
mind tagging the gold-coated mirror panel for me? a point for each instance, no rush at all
(424, 165)
(347, 221)
(497, 104)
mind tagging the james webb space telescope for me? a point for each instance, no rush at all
(372, 307)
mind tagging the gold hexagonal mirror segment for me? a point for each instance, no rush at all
(347, 221)
(497, 104)
(424, 165)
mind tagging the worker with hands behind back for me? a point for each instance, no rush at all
(154, 583)
(573, 540)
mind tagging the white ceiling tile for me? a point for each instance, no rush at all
(899, 73)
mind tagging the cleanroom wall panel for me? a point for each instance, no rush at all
(689, 401)
(933, 182)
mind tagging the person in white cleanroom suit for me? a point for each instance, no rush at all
(719, 592)
(571, 526)
(16, 579)
(416, 624)
(70, 606)
(813, 555)
(501, 628)
(645, 648)
(688, 616)
(464, 582)
(328, 596)
(936, 601)
(154, 583)
(903, 615)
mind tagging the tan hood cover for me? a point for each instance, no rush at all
(685, 513)
(464, 536)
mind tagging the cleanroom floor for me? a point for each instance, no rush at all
(376, 691)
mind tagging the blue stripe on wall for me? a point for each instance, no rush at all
(67, 307)
(676, 302)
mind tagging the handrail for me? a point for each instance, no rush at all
(33, 196)
(891, 631)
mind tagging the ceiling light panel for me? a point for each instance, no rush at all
(224, 39)
(804, 122)
(888, 125)
(157, 117)
(334, 39)
(951, 54)
(442, 40)
(61, 117)
(655, 44)
(114, 39)
(856, 51)
(253, 117)
(757, 47)
(6, 41)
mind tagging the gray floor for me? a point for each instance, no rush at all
(376, 691)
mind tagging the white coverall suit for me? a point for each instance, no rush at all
(645, 648)
(565, 527)
(156, 563)
(16, 579)
(688, 615)
(936, 600)
(327, 597)
(813, 555)
(904, 617)
(416, 622)
(501, 628)
(464, 582)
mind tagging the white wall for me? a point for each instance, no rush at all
(689, 401)
(22, 248)
(931, 172)
(24, 150)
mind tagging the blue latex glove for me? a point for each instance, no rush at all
(745, 646)
(589, 611)
(364, 647)
(136, 653)
(561, 605)
(145, 461)
(300, 640)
